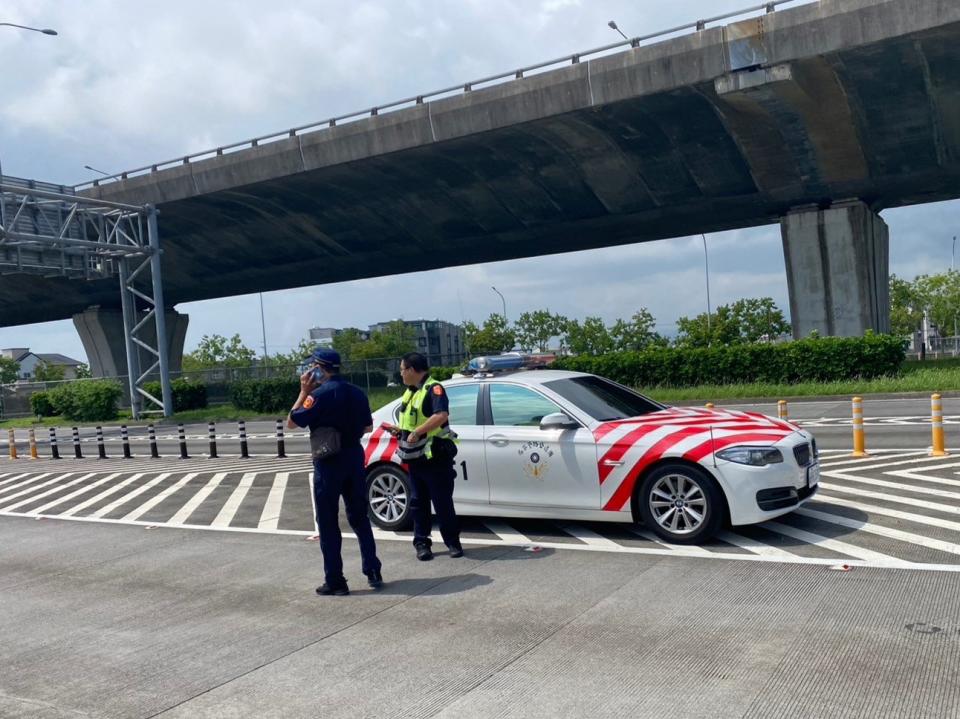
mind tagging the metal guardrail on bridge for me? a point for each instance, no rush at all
(517, 74)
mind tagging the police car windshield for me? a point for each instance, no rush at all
(602, 399)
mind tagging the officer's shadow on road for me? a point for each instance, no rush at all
(430, 586)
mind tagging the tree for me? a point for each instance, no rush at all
(218, 351)
(394, 340)
(534, 330)
(940, 295)
(9, 370)
(346, 340)
(590, 338)
(46, 372)
(906, 307)
(637, 334)
(759, 319)
(720, 328)
(492, 338)
(83, 371)
(295, 356)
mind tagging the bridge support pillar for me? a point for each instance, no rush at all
(838, 269)
(101, 331)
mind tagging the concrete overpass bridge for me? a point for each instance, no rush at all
(817, 116)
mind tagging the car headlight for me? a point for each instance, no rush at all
(754, 456)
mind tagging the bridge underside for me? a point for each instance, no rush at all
(852, 100)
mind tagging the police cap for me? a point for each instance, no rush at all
(326, 356)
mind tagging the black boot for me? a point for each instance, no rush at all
(424, 553)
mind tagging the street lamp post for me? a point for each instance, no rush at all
(45, 31)
(504, 304)
(706, 267)
(613, 26)
(94, 169)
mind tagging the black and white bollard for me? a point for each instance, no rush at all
(153, 442)
(242, 429)
(183, 442)
(126, 441)
(101, 450)
(76, 444)
(212, 435)
(54, 450)
(280, 448)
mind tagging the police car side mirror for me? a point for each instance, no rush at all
(558, 420)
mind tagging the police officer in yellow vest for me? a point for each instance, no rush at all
(427, 447)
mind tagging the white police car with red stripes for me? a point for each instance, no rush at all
(569, 445)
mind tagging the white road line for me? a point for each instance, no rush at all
(106, 493)
(16, 477)
(138, 512)
(508, 533)
(270, 516)
(123, 499)
(229, 509)
(8, 507)
(870, 462)
(683, 548)
(880, 530)
(196, 500)
(935, 506)
(921, 457)
(29, 482)
(76, 493)
(915, 474)
(588, 536)
(895, 513)
(834, 545)
(656, 552)
(946, 494)
(752, 545)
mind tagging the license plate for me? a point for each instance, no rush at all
(813, 475)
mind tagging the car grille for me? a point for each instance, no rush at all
(802, 453)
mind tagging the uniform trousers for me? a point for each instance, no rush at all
(433, 481)
(342, 476)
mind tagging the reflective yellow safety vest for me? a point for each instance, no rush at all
(411, 416)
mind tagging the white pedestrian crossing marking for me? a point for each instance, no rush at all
(229, 510)
(196, 500)
(151, 503)
(873, 487)
(270, 516)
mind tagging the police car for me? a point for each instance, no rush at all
(570, 445)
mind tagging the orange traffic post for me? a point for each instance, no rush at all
(936, 421)
(33, 444)
(782, 409)
(13, 443)
(709, 405)
(859, 449)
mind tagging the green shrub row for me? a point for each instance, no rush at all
(88, 401)
(816, 359)
(187, 394)
(265, 395)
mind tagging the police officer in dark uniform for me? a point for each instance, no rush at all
(327, 400)
(426, 445)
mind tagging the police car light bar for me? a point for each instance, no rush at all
(508, 362)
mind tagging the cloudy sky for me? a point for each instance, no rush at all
(126, 84)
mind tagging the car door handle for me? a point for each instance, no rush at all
(613, 463)
(499, 440)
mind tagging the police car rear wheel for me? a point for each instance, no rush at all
(388, 498)
(681, 504)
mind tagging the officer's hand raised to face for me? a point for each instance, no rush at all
(307, 382)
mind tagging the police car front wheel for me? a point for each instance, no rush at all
(681, 504)
(388, 497)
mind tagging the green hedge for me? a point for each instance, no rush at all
(41, 405)
(265, 395)
(87, 401)
(442, 373)
(187, 394)
(818, 359)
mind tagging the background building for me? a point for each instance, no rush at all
(28, 362)
(442, 342)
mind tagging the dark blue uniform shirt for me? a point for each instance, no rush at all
(336, 403)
